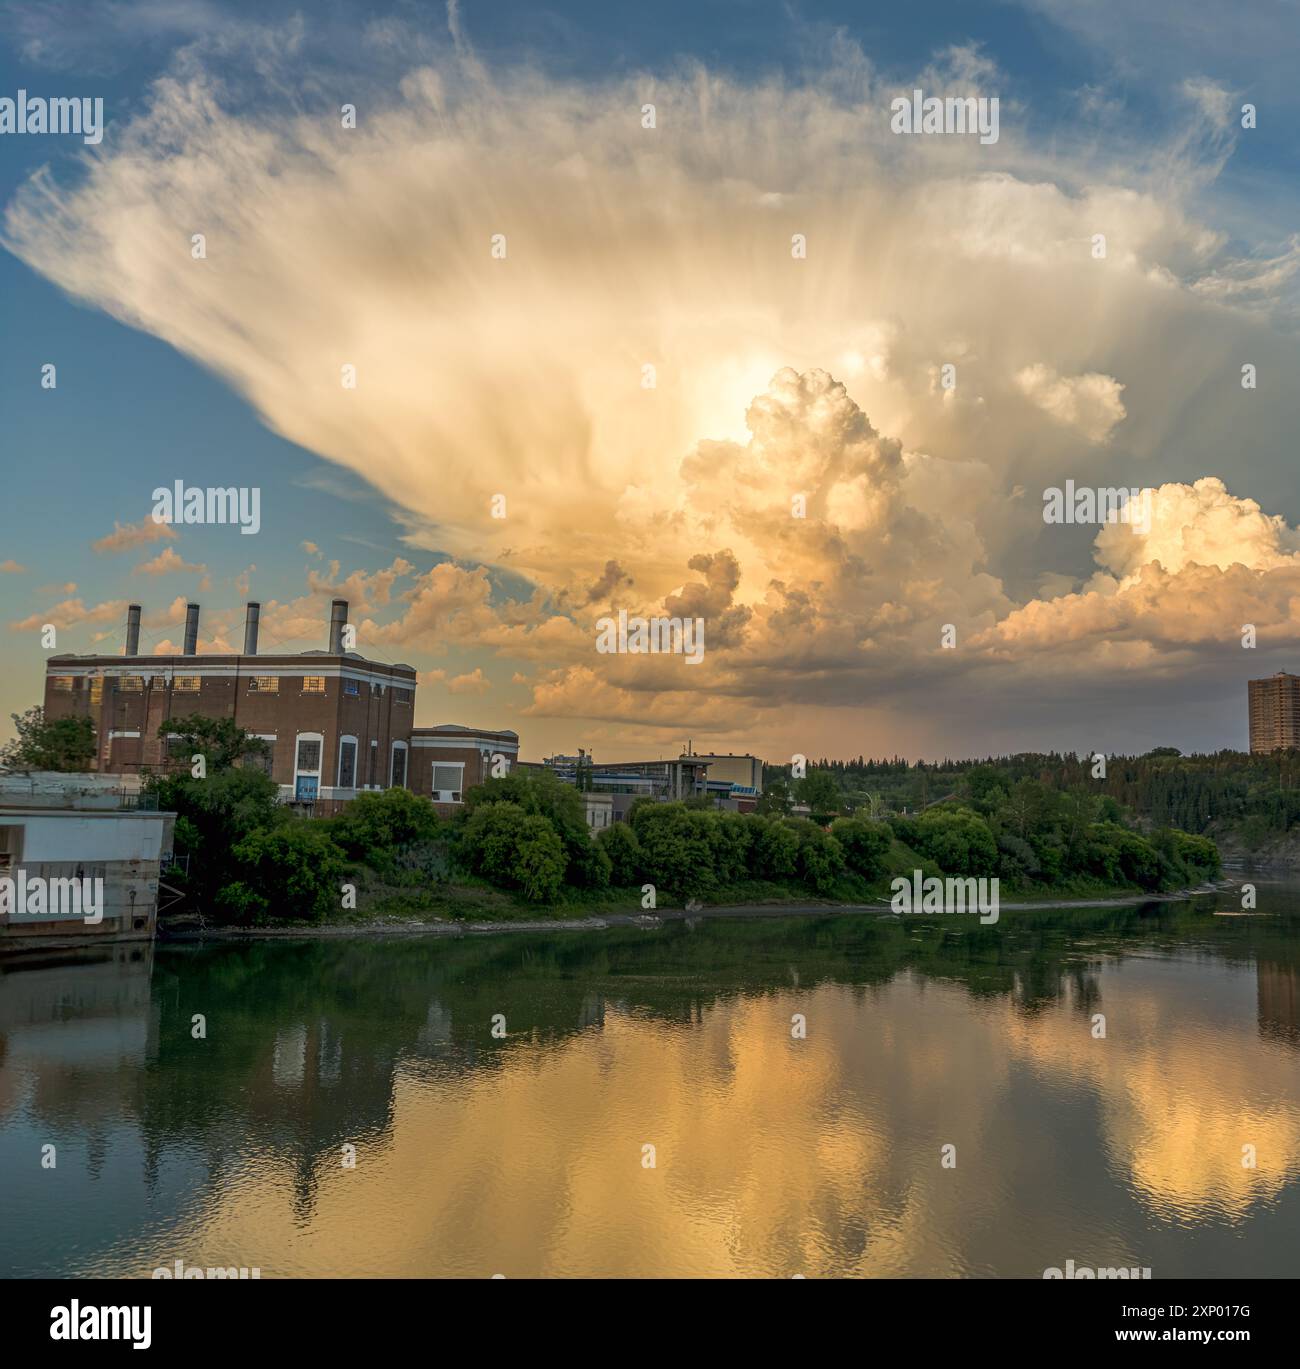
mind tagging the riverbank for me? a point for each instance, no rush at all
(390, 927)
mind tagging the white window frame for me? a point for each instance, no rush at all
(406, 765)
(298, 739)
(445, 795)
(356, 762)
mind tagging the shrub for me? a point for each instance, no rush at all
(293, 870)
(376, 827)
(958, 841)
(865, 845)
(515, 850)
(624, 851)
(676, 846)
(819, 858)
(774, 850)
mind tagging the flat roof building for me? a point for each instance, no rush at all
(79, 860)
(336, 723)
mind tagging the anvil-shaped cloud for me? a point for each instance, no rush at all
(589, 300)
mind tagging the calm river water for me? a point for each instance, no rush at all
(773, 1154)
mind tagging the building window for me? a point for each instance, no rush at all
(309, 756)
(397, 776)
(374, 764)
(96, 690)
(313, 684)
(351, 687)
(186, 684)
(11, 845)
(448, 781)
(63, 683)
(264, 684)
(348, 763)
(401, 696)
(265, 762)
(130, 684)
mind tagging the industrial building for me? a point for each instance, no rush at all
(448, 759)
(64, 835)
(1275, 713)
(336, 723)
(689, 776)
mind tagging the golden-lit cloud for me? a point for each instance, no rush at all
(126, 537)
(588, 357)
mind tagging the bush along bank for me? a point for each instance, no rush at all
(520, 847)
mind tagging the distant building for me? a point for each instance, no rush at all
(79, 860)
(337, 723)
(600, 811)
(1275, 713)
(744, 771)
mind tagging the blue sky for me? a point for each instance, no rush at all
(131, 411)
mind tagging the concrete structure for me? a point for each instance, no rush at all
(337, 723)
(62, 835)
(627, 781)
(1275, 712)
(600, 811)
(744, 771)
(448, 759)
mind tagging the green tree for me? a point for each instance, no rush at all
(213, 816)
(562, 806)
(514, 849)
(677, 847)
(774, 849)
(220, 741)
(958, 840)
(865, 844)
(62, 744)
(819, 858)
(820, 792)
(376, 827)
(776, 799)
(294, 870)
(624, 851)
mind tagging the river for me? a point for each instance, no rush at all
(829, 1096)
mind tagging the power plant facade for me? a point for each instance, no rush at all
(336, 724)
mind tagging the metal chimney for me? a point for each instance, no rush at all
(132, 630)
(338, 620)
(191, 629)
(250, 629)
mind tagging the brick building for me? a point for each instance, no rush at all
(448, 759)
(1275, 713)
(337, 723)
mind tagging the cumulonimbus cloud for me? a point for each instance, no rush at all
(645, 339)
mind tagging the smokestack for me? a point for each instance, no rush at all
(338, 620)
(250, 629)
(191, 629)
(133, 629)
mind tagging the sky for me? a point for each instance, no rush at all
(593, 308)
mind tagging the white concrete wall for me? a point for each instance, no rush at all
(60, 835)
